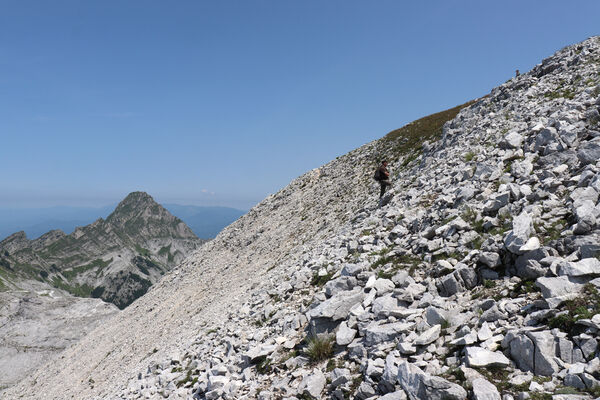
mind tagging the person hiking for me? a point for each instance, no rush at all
(382, 175)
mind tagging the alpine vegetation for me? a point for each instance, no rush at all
(476, 276)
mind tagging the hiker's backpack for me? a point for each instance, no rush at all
(377, 175)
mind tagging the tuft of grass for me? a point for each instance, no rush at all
(553, 231)
(445, 324)
(489, 284)
(263, 365)
(331, 365)
(319, 347)
(472, 217)
(469, 156)
(320, 280)
(584, 306)
(526, 286)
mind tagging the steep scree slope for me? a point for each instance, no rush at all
(482, 258)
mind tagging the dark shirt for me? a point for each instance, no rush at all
(383, 173)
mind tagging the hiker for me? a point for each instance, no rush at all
(382, 175)
(517, 73)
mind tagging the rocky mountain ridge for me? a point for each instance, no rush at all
(116, 259)
(476, 276)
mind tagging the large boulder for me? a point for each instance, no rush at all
(313, 384)
(533, 351)
(422, 386)
(478, 357)
(556, 287)
(376, 334)
(484, 390)
(520, 234)
(588, 267)
(589, 152)
(323, 318)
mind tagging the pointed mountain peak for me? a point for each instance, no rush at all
(136, 200)
(139, 214)
(132, 205)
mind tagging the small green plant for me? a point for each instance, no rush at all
(445, 324)
(331, 365)
(469, 156)
(188, 378)
(476, 244)
(489, 284)
(554, 230)
(472, 217)
(263, 365)
(525, 286)
(320, 280)
(584, 306)
(381, 262)
(457, 374)
(319, 347)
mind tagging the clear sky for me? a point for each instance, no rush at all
(223, 102)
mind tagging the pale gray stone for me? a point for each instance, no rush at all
(522, 169)
(484, 390)
(340, 376)
(334, 309)
(375, 334)
(313, 384)
(589, 267)
(383, 286)
(421, 386)
(344, 335)
(397, 395)
(589, 152)
(512, 140)
(556, 287)
(491, 259)
(435, 316)
(520, 234)
(429, 336)
(478, 357)
(343, 283)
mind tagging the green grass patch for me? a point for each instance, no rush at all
(474, 219)
(164, 250)
(263, 365)
(584, 306)
(489, 284)
(319, 347)
(142, 251)
(525, 286)
(469, 156)
(98, 264)
(407, 141)
(553, 231)
(320, 280)
(74, 289)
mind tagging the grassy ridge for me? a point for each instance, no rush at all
(408, 141)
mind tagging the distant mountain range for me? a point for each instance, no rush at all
(205, 222)
(116, 259)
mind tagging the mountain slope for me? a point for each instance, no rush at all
(116, 259)
(424, 294)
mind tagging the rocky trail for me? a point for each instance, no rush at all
(476, 277)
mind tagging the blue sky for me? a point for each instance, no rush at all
(224, 102)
